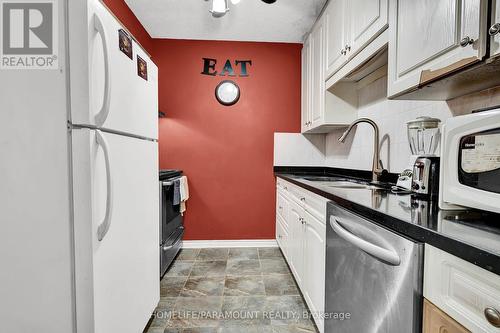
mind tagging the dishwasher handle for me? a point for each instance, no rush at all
(388, 256)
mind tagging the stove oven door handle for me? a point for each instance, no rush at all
(177, 240)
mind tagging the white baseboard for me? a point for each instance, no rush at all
(199, 244)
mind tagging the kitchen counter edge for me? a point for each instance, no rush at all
(479, 257)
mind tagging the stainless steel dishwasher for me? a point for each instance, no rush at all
(373, 277)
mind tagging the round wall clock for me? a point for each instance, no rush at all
(227, 93)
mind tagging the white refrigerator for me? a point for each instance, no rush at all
(79, 201)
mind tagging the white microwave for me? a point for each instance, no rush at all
(470, 162)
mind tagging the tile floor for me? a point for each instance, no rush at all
(230, 290)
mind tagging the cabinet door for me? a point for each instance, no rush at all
(314, 278)
(495, 28)
(282, 207)
(366, 20)
(296, 241)
(306, 84)
(335, 36)
(428, 40)
(318, 82)
(464, 291)
(282, 236)
(436, 321)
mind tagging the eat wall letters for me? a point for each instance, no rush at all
(209, 67)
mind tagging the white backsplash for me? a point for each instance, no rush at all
(294, 149)
(390, 115)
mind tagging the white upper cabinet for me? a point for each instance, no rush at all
(335, 36)
(350, 26)
(318, 82)
(429, 39)
(313, 83)
(494, 30)
(306, 85)
(343, 30)
(366, 20)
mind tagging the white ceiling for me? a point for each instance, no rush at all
(249, 20)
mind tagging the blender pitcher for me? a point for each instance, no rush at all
(423, 136)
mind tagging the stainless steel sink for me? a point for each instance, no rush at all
(346, 184)
(324, 179)
(338, 182)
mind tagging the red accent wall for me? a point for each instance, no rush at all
(227, 152)
(128, 18)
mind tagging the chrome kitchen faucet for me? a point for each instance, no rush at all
(377, 168)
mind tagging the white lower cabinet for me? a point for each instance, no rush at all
(296, 242)
(303, 242)
(465, 292)
(282, 236)
(314, 266)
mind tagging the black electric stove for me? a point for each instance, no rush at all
(171, 220)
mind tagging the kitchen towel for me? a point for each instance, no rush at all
(184, 193)
(177, 192)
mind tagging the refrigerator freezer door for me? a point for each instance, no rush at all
(117, 275)
(118, 98)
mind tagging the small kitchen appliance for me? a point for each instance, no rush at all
(423, 138)
(425, 176)
(470, 167)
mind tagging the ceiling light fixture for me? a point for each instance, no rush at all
(219, 8)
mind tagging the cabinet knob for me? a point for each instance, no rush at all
(343, 52)
(492, 316)
(347, 48)
(494, 29)
(302, 199)
(466, 41)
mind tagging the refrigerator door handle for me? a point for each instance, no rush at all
(103, 228)
(386, 255)
(100, 117)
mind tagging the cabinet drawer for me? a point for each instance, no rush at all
(291, 191)
(311, 202)
(282, 206)
(461, 289)
(436, 321)
(315, 205)
(282, 236)
(282, 185)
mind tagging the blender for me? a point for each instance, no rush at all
(423, 137)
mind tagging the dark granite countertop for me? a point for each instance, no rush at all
(471, 235)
